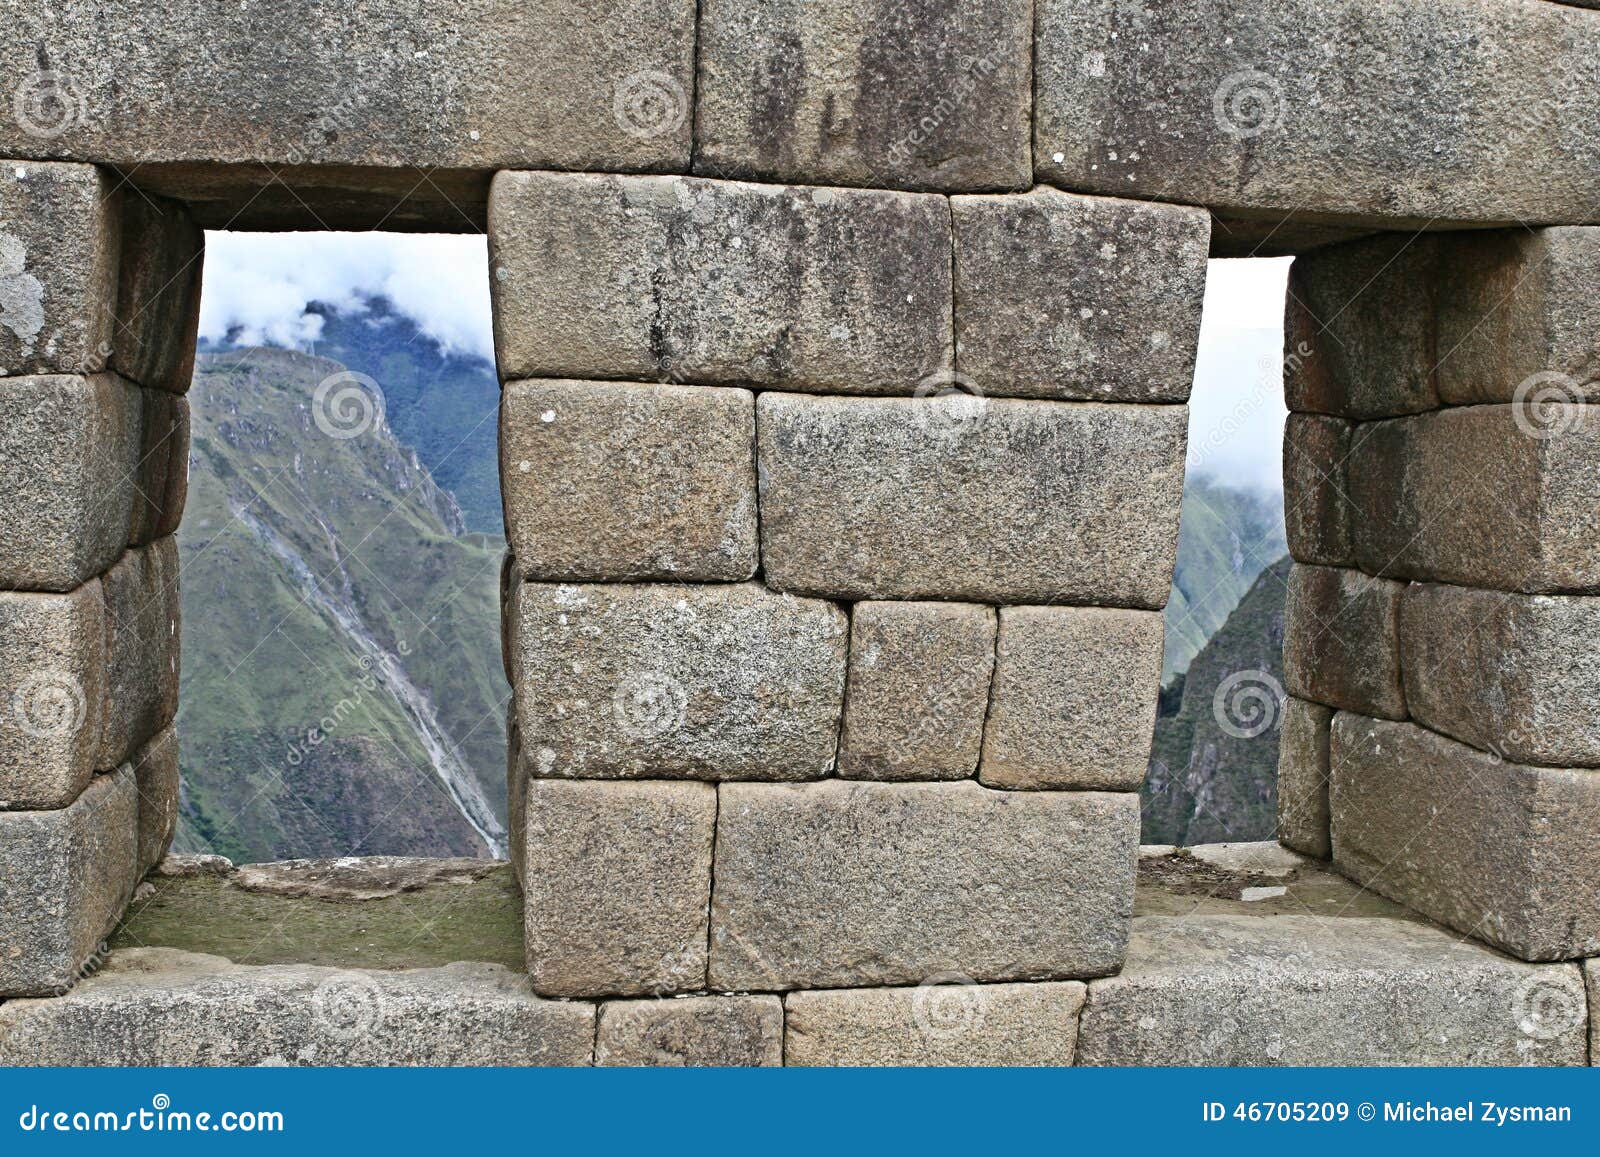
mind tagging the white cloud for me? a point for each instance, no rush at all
(261, 284)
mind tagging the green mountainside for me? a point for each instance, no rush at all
(342, 690)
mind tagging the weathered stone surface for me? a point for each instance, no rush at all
(69, 457)
(65, 877)
(1518, 312)
(160, 1006)
(1248, 858)
(917, 690)
(1306, 990)
(1592, 971)
(156, 777)
(1341, 640)
(909, 96)
(158, 293)
(489, 84)
(1484, 496)
(1092, 298)
(1074, 698)
(1001, 501)
(1316, 489)
(721, 1031)
(616, 883)
(163, 481)
(59, 233)
(1359, 328)
(723, 283)
(52, 695)
(1303, 778)
(1317, 107)
(839, 884)
(943, 1022)
(354, 879)
(142, 645)
(1518, 675)
(608, 480)
(1500, 851)
(620, 680)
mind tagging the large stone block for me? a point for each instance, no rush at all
(1001, 501)
(163, 481)
(52, 695)
(158, 293)
(908, 96)
(1316, 489)
(917, 691)
(945, 1022)
(717, 282)
(65, 877)
(607, 480)
(59, 230)
(719, 1031)
(1518, 675)
(663, 681)
(69, 460)
(1481, 496)
(157, 777)
(616, 881)
(164, 1007)
(1303, 778)
(142, 644)
(1350, 112)
(838, 884)
(1500, 851)
(1089, 298)
(1074, 698)
(1308, 990)
(1341, 640)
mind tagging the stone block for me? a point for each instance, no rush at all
(1480, 496)
(1313, 110)
(917, 691)
(1316, 489)
(59, 230)
(720, 283)
(616, 882)
(65, 877)
(52, 695)
(1087, 298)
(1074, 698)
(1500, 851)
(1518, 314)
(156, 775)
(142, 642)
(1518, 675)
(1592, 971)
(1000, 500)
(1309, 990)
(163, 480)
(1341, 640)
(621, 480)
(165, 1007)
(839, 884)
(1303, 778)
(930, 96)
(654, 681)
(69, 460)
(943, 1022)
(158, 293)
(693, 1031)
(1360, 325)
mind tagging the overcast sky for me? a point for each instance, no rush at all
(262, 282)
